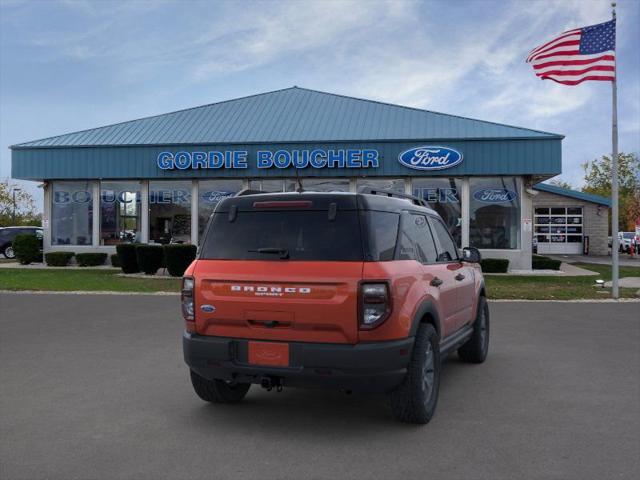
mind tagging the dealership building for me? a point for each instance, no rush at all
(157, 180)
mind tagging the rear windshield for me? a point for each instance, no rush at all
(293, 235)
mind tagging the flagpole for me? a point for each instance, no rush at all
(614, 177)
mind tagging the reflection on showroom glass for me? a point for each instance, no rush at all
(170, 212)
(494, 213)
(120, 207)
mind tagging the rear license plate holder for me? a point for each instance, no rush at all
(271, 354)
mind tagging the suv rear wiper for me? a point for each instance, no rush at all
(283, 252)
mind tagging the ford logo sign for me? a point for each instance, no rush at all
(430, 158)
(495, 195)
(208, 308)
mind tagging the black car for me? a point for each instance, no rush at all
(7, 234)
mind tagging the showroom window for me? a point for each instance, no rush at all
(210, 192)
(72, 213)
(319, 184)
(393, 184)
(267, 185)
(494, 213)
(170, 212)
(444, 196)
(119, 212)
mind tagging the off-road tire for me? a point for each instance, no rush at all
(8, 252)
(218, 391)
(414, 401)
(477, 347)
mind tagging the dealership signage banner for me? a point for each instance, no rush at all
(265, 159)
(424, 157)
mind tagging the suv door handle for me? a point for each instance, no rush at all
(436, 282)
(459, 277)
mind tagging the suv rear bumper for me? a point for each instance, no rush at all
(369, 367)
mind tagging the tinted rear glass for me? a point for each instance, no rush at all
(382, 228)
(303, 234)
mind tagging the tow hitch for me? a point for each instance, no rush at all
(269, 383)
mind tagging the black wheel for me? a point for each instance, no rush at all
(414, 401)
(8, 252)
(218, 391)
(477, 347)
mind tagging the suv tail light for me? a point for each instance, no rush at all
(375, 304)
(187, 298)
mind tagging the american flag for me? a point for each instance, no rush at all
(587, 53)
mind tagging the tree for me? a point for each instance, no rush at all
(25, 207)
(597, 179)
(558, 182)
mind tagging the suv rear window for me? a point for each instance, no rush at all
(303, 234)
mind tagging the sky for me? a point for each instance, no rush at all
(72, 65)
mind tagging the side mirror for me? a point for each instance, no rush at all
(471, 255)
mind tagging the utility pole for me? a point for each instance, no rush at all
(614, 178)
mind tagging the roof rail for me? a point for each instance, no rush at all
(389, 193)
(248, 191)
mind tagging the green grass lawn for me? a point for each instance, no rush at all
(81, 280)
(498, 287)
(557, 288)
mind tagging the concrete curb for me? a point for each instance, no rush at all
(79, 292)
(575, 300)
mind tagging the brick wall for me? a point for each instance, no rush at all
(595, 226)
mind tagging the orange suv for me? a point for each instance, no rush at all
(359, 292)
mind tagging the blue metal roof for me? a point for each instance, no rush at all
(289, 116)
(565, 192)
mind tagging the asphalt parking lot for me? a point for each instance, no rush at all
(94, 387)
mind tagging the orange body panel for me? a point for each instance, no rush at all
(318, 301)
(285, 301)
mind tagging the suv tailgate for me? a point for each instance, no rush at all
(278, 300)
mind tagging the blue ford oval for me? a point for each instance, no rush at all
(430, 158)
(495, 195)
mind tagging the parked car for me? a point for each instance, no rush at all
(625, 239)
(357, 292)
(7, 234)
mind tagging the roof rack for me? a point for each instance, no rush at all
(389, 193)
(248, 191)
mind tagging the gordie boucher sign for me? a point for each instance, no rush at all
(417, 158)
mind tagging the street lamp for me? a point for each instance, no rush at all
(14, 203)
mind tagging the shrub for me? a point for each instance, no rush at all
(545, 263)
(90, 259)
(127, 257)
(178, 257)
(58, 259)
(494, 265)
(149, 258)
(27, 248)
(115, 260)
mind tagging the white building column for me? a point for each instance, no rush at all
(46, 216)
(144, 211)
(408, 186)
(194, 211)
(464, 211)
(526, 224)
(95, 227)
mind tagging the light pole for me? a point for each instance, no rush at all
(14, 203)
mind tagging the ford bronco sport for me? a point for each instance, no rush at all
(359, 292)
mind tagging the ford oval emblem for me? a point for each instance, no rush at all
(430, 158)
(495, 195)
(208, 308)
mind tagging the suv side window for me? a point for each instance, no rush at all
(416, 242)
(447, 250)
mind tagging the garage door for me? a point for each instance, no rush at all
(558, 229)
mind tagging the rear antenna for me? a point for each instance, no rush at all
(299, 189)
